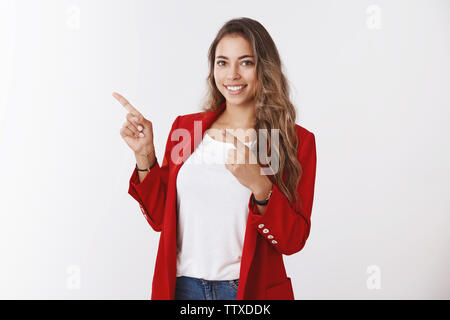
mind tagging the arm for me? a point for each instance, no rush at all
(151, 191)
(144, 162)
(288, 227)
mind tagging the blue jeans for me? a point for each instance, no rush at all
(188, 288)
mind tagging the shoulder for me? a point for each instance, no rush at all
(185, 120)
(189, 117)
(307, 141)
(303, 133)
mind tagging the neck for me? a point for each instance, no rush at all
(239, 116)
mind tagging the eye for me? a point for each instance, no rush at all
(246, 62)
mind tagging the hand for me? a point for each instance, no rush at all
(242, 163)
(136, 131)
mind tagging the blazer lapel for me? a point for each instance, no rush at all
(196, 132)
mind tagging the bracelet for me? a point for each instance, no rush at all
(265, 201)
(148, 169)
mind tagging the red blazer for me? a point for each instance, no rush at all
(280, 230)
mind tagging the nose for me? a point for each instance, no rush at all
(233, 73)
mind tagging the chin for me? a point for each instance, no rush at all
(237, 99)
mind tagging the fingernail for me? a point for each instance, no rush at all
(135, 119)
(141, 134)
(139, 127)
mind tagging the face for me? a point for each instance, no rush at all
(234, 67)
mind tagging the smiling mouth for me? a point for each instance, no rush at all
(235, 89)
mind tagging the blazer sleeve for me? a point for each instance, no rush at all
(282, 226)
(151, 192)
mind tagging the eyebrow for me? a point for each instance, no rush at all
(241, 57)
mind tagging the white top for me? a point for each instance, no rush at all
(212, 211)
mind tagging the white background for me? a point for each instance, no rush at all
(370, 79)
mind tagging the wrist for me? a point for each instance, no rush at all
(144, 155)
(145, 160)
(262, 190)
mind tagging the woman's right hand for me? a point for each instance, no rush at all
(136, 131)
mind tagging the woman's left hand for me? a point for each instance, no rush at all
(243, 164)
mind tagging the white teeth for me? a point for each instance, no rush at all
(235, 88)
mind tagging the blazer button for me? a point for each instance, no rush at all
(266, 230)
(274, 241)
(261, 225)
(270, 236)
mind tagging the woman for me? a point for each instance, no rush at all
(226, 223)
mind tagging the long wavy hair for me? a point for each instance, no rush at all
(274, 109)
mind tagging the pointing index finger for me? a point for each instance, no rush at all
(124, 102)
